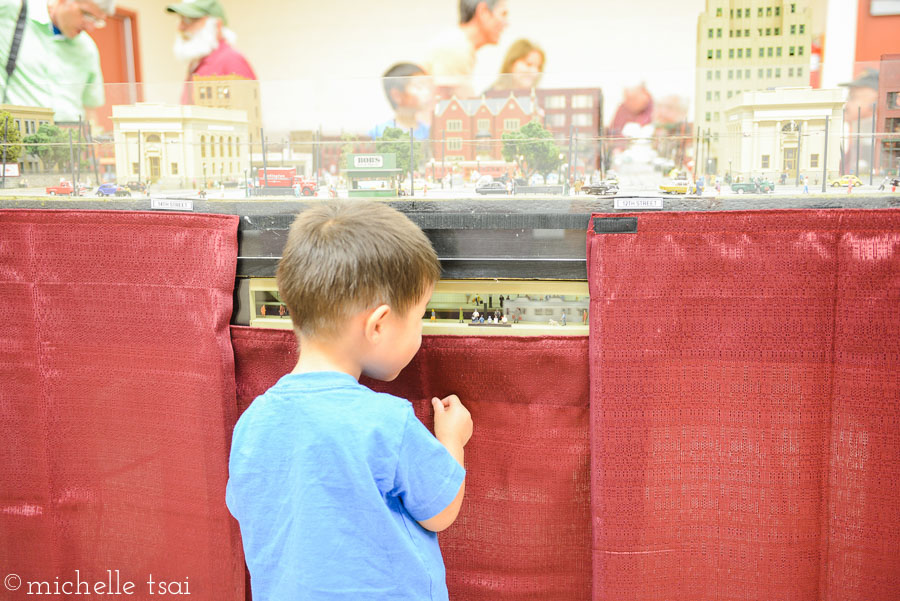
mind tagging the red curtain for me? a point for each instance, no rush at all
(117, 401)
(523, 532)
(745, 420)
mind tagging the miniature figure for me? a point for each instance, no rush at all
(262, 310)
(281, 310)
(503, 319)
(433, 316)
(460, 315)
(564, 317)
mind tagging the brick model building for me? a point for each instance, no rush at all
(889, 113)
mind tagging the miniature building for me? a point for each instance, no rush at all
(179, 145)
(761, 45)
(889, 113)
(470, 130)
(769, 130)
(230, 92)
(27, 119)
(571, 112)
(373, 174)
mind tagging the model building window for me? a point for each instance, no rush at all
(778, 51)
(777, 11)
(760, 72)
(730, 74)
(718, 96)
(718, 12)
(802, 28)
(793, 29)
(716, 116)
(556, 120)
(759, 12)
(740, 53)
(729, 93)
(813, 161)
(746, 33)
(793, 8)
(135, 167)
(454, 143)
(769, 72)
(718, 74)
(777, 72)
(765, 161)
(719, 53)
(581, 119)
(710, 33)
(708, 95)
(762, 52)
(559, 101)
(201, 93)
(791, 72)
(746, 73)
(709, 75)
(738, 33)
(800, 50)
(708, 116)
(484, 125)
(719, 32)
(731, 33)
(731, 53)
(768, 11)
(791, 51)
(230, 148)
(777, 31)
(454, 125)
(582, 101)
(768, 31)
(212, 146)
(892, 102)
(174, 169)
(799, 71)
(510, 124)
(202, 146)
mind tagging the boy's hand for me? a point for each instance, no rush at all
(452, 422)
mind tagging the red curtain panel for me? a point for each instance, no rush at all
(744, 405)
(524, 530)
(117, 400)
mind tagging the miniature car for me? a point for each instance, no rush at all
(606, 187)
(64, 188)
(492, 188)
(846, 180)
(136, 186)
(678, 186)
(755, 185)
(109, 189)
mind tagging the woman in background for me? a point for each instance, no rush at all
(522, 68)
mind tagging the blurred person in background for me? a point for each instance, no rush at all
(410, 91)
(204, 41)
(522, 67)
(56, 63)
(451, 59)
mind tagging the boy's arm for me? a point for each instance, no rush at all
(452, 428)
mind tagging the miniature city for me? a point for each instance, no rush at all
(761, 123)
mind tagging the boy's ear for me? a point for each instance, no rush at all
(397, 97)
(375, 322)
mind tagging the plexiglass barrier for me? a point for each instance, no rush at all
(749, 120)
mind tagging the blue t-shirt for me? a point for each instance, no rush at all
(327, 480)
(419, 133)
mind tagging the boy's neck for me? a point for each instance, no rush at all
(318, 356)
(405, 118)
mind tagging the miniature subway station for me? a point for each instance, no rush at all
(468, 307)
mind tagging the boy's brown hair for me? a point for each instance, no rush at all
(344, 257)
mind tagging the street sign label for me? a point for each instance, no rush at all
(171, 204)
(638, 203)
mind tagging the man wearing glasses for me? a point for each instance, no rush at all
(55, 62)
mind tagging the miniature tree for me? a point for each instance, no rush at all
(12, 141)
(396, 140)
(535, 144)
(50, 144)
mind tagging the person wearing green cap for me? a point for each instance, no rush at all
(56, 63)
(205, 42)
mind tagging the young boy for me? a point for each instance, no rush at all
(339, 491)
(410, 91)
